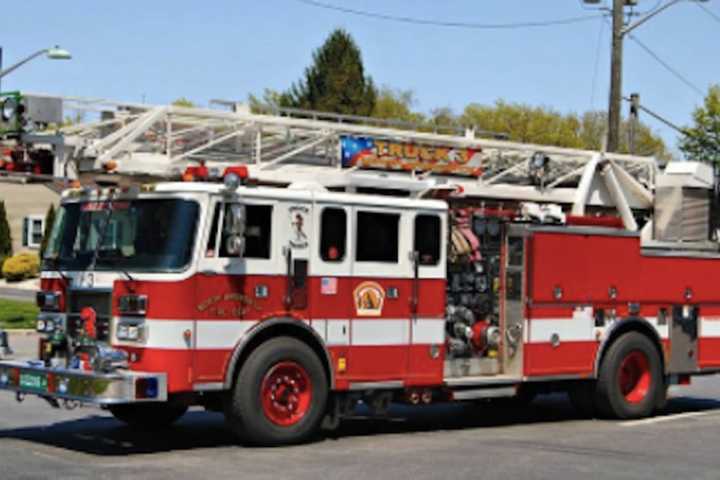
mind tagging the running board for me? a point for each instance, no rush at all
(484, 393)
(481, 381)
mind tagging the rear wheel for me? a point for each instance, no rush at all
(148, 415)
(280, 394)
(630, 381)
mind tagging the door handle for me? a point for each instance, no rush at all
(209, 273)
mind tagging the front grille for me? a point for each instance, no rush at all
(100, 301)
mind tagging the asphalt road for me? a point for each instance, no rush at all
(544, 440)
(17, 294)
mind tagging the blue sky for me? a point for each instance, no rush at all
(161, 50)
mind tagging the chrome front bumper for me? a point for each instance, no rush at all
(124, 386)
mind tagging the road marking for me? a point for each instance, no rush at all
(667, 418)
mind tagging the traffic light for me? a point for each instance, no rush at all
(12, 114)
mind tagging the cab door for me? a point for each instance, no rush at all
(234, 292)
(382, 288)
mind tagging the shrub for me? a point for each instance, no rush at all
(21, 266)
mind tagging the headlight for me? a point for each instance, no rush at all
(133, 304)
(49, 323)
(131, 330)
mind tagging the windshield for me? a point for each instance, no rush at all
(137, 235)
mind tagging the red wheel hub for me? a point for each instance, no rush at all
(286, 393)
(634, 377)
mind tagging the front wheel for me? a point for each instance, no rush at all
(280, 394)
(631, 380)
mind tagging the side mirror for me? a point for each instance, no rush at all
(234, 229)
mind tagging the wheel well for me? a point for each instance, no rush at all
(280, 329)
(633, 324)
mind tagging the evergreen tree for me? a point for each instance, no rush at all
(702, 141)
(5, 237)
(49, 220)
(335, 82)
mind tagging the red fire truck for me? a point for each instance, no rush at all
(283, 307)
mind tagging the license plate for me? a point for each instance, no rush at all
(33, 381)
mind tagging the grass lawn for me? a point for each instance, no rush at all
(16, 314)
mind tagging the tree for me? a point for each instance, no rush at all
(335, 82)
(49, 220)
(546, 126)
(184, 102)
(396, 105)
(701, 141)
(5, 237)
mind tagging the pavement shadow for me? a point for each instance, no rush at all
(106, 437)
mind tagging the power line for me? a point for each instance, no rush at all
(708, 11)
(670, 69)
(440, 23)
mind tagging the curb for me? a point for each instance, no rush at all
(20, 331)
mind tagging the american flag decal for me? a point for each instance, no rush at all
(328, 286)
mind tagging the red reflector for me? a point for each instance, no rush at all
(14, 377)
(51, 383)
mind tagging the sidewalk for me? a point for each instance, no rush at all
(33, 284)
(24, 344)
(23, 291)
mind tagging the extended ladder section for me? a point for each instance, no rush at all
(349, 153)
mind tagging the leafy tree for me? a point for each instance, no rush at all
(396, 105)
(702, 141)
(335, 82)
(5, 237)
(546, 126)
(270, 99)
(49, 220)
(184, 102)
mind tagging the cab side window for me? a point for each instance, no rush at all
(377, 237)
(333, 234)
(258, 232)
(427, 239)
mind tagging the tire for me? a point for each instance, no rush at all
(286, 368)
(582, 398)
(630, 381)
(148, 416)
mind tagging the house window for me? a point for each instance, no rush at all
(33, 228)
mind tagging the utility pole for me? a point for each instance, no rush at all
(619, 31)
(616, 61)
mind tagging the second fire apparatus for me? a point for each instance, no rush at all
(286, 306)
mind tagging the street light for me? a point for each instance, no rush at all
(618, 35)
(53, 53)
